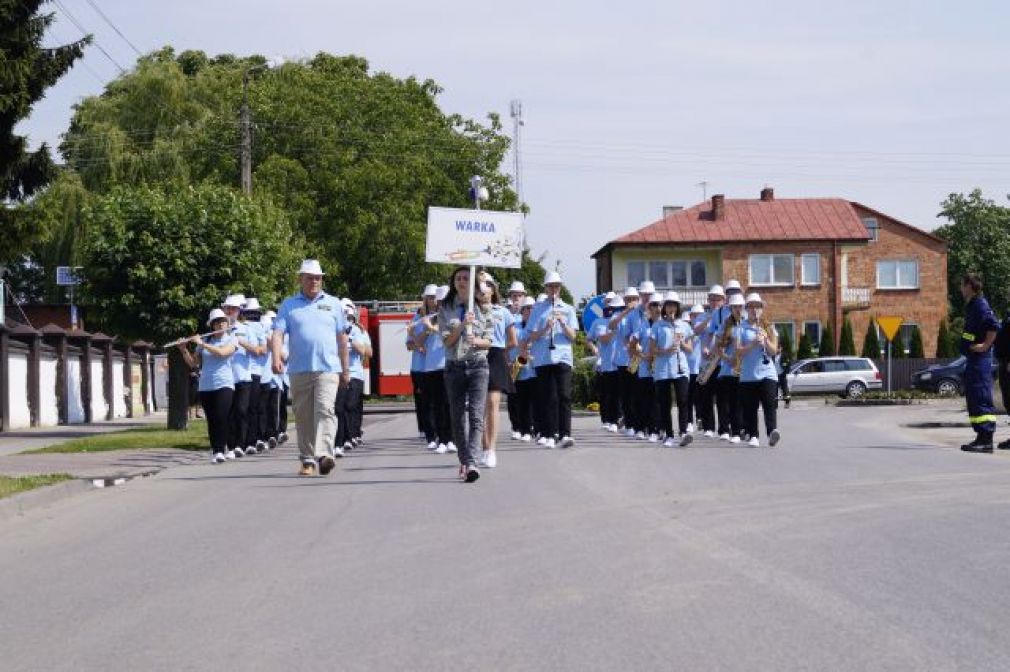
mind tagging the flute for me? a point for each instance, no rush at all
(180, 341)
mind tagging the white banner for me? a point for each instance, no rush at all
(475, 237)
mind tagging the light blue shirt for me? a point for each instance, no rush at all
(240, 364)
(644, 336)
(416, 356)
(599, 330)
(503, 320)
(257, 336)
(216, 371)
(621, 355)
(355, 362)
(669, 366)
(757, 365)
(434, 349)
(523, 335)
(562, 352)
(694, 359)
(312, 326)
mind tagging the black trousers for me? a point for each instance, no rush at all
(728, 400)
(783, 384)
(282, 415)
(555, 384)
(704, 404)
(762, 393)
(513, 408)
(437, 423)
(610, 397)
(272, 414)
(667, 392)
(348, 422)
(252, 434)
(626, 394)
(417, 380)
(216, 408)
(239, 416)
(525, 395)
(646, 406)
(692, 397)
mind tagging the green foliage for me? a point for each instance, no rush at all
(897, 348)
(945, 346)
(804, 350)
(159, 259)
(871, 344)
(978, 239)
(847, 343)
(827, 345)
(787, 349)
(27, 70)
(915, 349)
(583, 389)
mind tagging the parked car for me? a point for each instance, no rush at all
(945, 379)
(847, 376)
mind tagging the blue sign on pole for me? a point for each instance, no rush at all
(592, 312)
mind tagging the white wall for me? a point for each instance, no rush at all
(118, 390)
(98, 406)
(49, 412)
(21, 416)
(75, 405)
(160, 382)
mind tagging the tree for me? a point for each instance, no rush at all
(898, 346)
(804, 349)
(786, 346)
(915, 348)
(158, 260)
(28, 70)
(827, 345)
(978, 239)
(846, 344)
(355, 158)
(871, 344)
(945, 348)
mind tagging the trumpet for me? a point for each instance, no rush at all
(521, 360)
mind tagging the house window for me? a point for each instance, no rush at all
(810, 269)
(771, 269)
(905, 332)
(872, 227)
(659, 273)
(812, 329)
(688, 273)
(636, 273)
(783, 328)
(898, 274)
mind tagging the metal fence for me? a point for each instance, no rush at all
(902, 370)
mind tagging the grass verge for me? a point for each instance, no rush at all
(194, 438)
(12, 485)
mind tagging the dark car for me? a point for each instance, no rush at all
(947, 379)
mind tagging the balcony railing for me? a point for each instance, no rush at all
(853, 297)
(688, 297)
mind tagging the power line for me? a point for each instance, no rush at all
(84, 31)
(107, 20)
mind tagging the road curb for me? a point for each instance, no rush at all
(17, 505)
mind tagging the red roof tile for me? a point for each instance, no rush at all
(755, 220)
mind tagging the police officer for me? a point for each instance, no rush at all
(980, 327)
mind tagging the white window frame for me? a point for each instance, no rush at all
(771, 260)
(873, 230)
(647, 272)
(815, 344)
(804, 280)
(899, 286)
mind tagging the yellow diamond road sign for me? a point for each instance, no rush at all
(890, 326)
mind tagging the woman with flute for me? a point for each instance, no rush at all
(217, 383)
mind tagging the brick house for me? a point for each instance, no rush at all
(814, 260)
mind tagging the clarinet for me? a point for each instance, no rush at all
(550, 337)
(677, 338)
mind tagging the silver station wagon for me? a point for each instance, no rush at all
(847, 376)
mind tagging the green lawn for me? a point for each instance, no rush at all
(194, 438)
(12, 485)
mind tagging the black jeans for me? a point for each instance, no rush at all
(216, 408)
(271, 415)
(704, 404)
(466, 388)
(513, 408)
(346, 409)
(525, 397)
(610, 397)
(437, 426)
(692, 397)
(646, 406)
(728, 400)
(239, 416)
(282, 414)
(417, 380)
(626, 395)
(252, 434)
(762, 393)
(667, 392)
(555, 383)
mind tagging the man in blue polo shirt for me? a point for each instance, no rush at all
(317, 364)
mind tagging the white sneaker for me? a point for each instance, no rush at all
(271, 443)
(441, 448)
(261, 446)
(217, 458)
(237, 452)
(754, 443)
(567, 442)
(685, 440)
(734, 439)
(773, 438)
(491, 459)
(605, 427)
(433, 445)
(549, 444)
(516, 436)
(653, 438)
(724, 437)
(338, 451)
(482, 460)
(630, 433)
(690, 427)
(451, 447)
(230, 455)
(669, 443)
(640, 436)
(709, 433)
(612, 429)
(542, 441)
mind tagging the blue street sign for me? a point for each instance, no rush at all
(592, 312)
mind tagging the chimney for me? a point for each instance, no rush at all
(719, 207)
(670, 209)
(767, 194)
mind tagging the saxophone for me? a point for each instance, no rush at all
(737, 355)
(521, 360)
(636, 359)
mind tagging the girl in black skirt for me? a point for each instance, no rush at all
(499, 377)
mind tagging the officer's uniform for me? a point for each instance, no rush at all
(979, 320)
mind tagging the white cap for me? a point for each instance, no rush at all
(441, 292)
(527, 302)
(736, 300)
(656, 298)
(267, 319)
(271, 314)
(631, 291)
(609, 296)
(517, 286)
(233, 301)
(646, 287)
(672, 296)
(216, 314)
(754, 297)
(311, 267)
(616, 302)
(553, 278)
(716, 290)
(733, 284)
(430, 290)
(252, 305)
(697, 309)
(541, 297)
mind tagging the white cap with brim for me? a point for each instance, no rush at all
(233, 301)
(441, 292)
(216, 314)
(430, 290)
(697, 309)
(736, 300)
(754, 297)
(311, 267)
(609, 296)
(527, 302)
(631, 292)
(517, 286)
(252, 305)
(646, 287)
(672, 297)
(733, 286)
(553, 278)
(616, 302)
(716, 290)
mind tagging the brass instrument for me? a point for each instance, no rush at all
(521, 360)
(737, 356)
(636, 359)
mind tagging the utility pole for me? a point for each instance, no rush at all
(517, 123)
(245, 122)
(704, 189)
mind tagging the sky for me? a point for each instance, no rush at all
(631, 106)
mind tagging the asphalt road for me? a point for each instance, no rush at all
(848, 547)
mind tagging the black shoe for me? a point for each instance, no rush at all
(472, 474)
(327, 463)
(977, 447)
(1004, 445)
